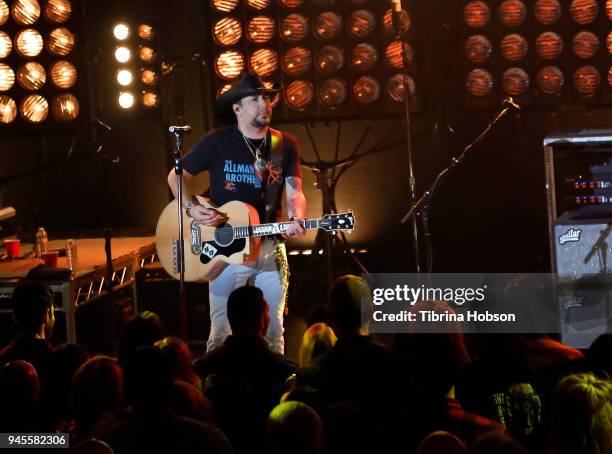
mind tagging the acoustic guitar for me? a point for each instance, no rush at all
(208, 250)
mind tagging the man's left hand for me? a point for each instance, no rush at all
(295, 229)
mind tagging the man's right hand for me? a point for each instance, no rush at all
(208, 216)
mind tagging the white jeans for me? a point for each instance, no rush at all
(271, 274)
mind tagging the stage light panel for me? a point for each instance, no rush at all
(227, 31)
(8, 109)
(63, 74)
(126, 100)
(332, 93)
(34, 108)
(25, 12)
(478, 48)
(58, 11)
(294, 28)
(364, 57)
(297, 61)
(61, 41)
(299, 94)
(29, 43)
(65, 107)
(121, 32)
(31, 76)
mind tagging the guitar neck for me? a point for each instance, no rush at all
(274, 228)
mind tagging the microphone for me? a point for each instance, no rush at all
(180, 129)
(101, 124)
(510, 102)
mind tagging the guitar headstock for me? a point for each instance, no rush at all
(340, 221)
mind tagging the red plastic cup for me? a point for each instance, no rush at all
(12, 247)
(50, 258)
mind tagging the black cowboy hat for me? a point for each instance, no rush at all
(247, 85)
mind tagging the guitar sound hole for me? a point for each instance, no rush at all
(224, 235)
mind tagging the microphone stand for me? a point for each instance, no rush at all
(399, 36)
(179, 134)
(423, 205)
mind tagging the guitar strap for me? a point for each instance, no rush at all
(274, 176)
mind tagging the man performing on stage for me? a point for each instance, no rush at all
(245, 160)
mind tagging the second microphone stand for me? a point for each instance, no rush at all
(422, 206)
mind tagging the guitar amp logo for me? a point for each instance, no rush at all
(571, 236)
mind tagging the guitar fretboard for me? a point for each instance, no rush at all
(272, 229)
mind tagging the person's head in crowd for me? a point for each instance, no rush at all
(97, 390)
(148, 381)
(179, 355)
(57, 378)
(599, 355)
(33, 309)
(317, 339)
(189, 402)
(582, 415)
(349, 298)
(248, 312)
(294, 427)
(441, 442)
(497, 442)
(19, 391)
(142, 330)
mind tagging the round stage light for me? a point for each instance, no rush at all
(515, 81)
(29, 43)
(146, 54)
(261, 29)
(25, 12)
(294, 28)
(61, 41)
(122, 54)
(299, 94)
(227, 31)
(8, 110)
(258, 4)
(405, 21)
(332, 93)
(587, 80)
(297, 61)
(396, 88)
(264, 62)
(150, 99)
(65, 107)
(608, 10)
(126, 100)
(478, 48)
(514, 47)
(394, 54)
(549, 45)
(609, 43)
(148, 77)
(327, 25)
(121, 32)
(361, 23)
(610, 77)
(330, 59)
(291, 3)
(34, 108)
(224, 6)
(476, 14)
(63, 74)
(585, 44)
(146, 32)
(58, 11)
(124, 77)
(6, 45)
(479, 82)
(364, 57)
(584, 11)
(31, 76)
(5, 12)
(550, 80)
(548, 12)
(366, 89)
(512, 13)
(7, 77)
(229, 64)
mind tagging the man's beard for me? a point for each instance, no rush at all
(258, 124)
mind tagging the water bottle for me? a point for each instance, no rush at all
(71, 254)
(42, 242)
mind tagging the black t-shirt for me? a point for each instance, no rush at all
(224, 153)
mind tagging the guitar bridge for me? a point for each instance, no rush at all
(196, 238)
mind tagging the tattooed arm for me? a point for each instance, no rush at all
(296, 204)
